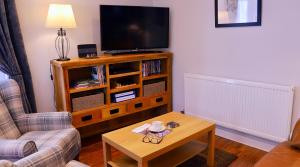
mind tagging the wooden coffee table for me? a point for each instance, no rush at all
(178, 146)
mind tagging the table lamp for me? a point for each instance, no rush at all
(61, 16)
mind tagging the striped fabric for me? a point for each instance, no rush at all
(56, 139)
(68, 140)
(74, 163)
(6, 163)
(14, 150)
(48, 157)
(8, 129)
(10, 93)
(45, 121)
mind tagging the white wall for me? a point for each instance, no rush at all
(39, 40)
(270, 53)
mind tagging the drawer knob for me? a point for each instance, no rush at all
(160, 99)
(138, 105)
(86, 118)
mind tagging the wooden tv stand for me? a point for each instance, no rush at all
(121, 74)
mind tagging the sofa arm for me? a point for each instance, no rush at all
(296, 132)
(45, 121)
(6, 163)
(48, 157)
(16, 149)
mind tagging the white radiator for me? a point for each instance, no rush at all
(259, 109)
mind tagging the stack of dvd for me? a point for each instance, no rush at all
(151, 67)
(119, 97)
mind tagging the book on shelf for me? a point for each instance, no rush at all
(98, 73)
(86, 83)
(94, 73)
(102, 74)
(124, 94)
(119, 97)
(124, 98)
(151, 67)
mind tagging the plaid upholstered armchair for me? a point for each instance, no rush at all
(40, 139)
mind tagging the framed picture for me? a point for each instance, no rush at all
(238, 13)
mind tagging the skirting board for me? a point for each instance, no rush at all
(246, 139)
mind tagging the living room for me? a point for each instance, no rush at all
(251, 69)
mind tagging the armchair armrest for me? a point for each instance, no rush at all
(44, 121)
(16, 149)
(6, 163)
(47, 157)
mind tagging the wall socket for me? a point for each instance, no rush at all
(182, 110)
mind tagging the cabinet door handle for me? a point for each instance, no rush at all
(86, 118)
(114, 111)
(159, 99)
(138, 105)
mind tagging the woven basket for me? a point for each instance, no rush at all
(86, 102)
(154, 88)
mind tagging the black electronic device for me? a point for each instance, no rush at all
(134, 28)
(172, 124)
(87, 50)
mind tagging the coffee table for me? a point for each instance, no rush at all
(176, 147)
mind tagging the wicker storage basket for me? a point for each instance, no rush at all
(154, 88)
(86, 102)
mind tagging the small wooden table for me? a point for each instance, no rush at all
(175, 148)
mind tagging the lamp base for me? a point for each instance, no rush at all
(62, 45)
(63, 59)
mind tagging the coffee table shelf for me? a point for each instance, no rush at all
(172, 158)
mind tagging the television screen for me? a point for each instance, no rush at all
(133, 27)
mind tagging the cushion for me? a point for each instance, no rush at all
(8, 129)
(14, 150)
(68, 140)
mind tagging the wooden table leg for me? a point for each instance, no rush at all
(211, 148)
(142, 163)
(106, 153)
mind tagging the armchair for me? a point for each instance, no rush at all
(39, 139)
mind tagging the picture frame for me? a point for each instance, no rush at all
(238, 13)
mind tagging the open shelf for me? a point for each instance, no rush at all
(156, 76)
(124, 88)
(77, 90)
(124, 74)
(123, 68)
(172, 158)
(86, 76)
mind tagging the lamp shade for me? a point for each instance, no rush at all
(60, 16)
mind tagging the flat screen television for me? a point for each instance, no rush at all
(133, 28)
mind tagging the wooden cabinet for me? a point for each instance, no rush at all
(115, 76)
